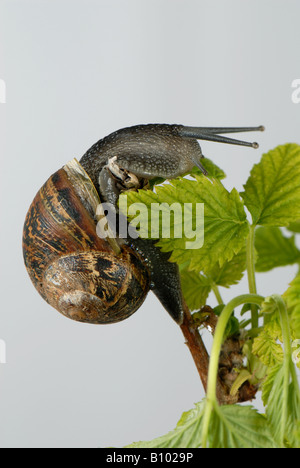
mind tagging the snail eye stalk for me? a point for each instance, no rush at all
(212, 134)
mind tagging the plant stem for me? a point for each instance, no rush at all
(218, 338)
(211, 400)
(195, 345)
(198, 351)
(251, 273)
(216, 292)
(287, 358)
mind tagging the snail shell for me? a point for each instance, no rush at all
(74, 270)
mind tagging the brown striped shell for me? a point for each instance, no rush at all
(74, 270)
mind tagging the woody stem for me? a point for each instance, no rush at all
(199, 352)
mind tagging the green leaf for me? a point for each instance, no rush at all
(283, 408)
(231, 272)
(187, 433)
(294, 226)
(296, 352)
(269, 306)
(274, 249)
(265, 345)
(235, 426)
(274, 407)
(281, 389)
(212, 169)
(225, 223)
(292, 299)
(196, 288)
(269, 382)
(272, 192)
(225, 226)
(231, 426)
(156, 181)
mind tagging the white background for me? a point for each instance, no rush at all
(76, 70)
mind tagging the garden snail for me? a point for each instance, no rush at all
(83, 276)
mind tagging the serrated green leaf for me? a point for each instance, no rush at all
(187, 433)
(231, 426)
(274, 249)
(272, 192)
(296, 352)
(274, 408)
(294, 226)
(212, 170)
(283, 408)
(155, 181)
(269, 382)
(231, 272)
(196, 288)
(269, 306)
(292, 299)
(265, 345)
(293, 423)
(225, 223)
(235, 426)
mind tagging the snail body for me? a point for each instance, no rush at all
(88, 278)
(147, 151)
